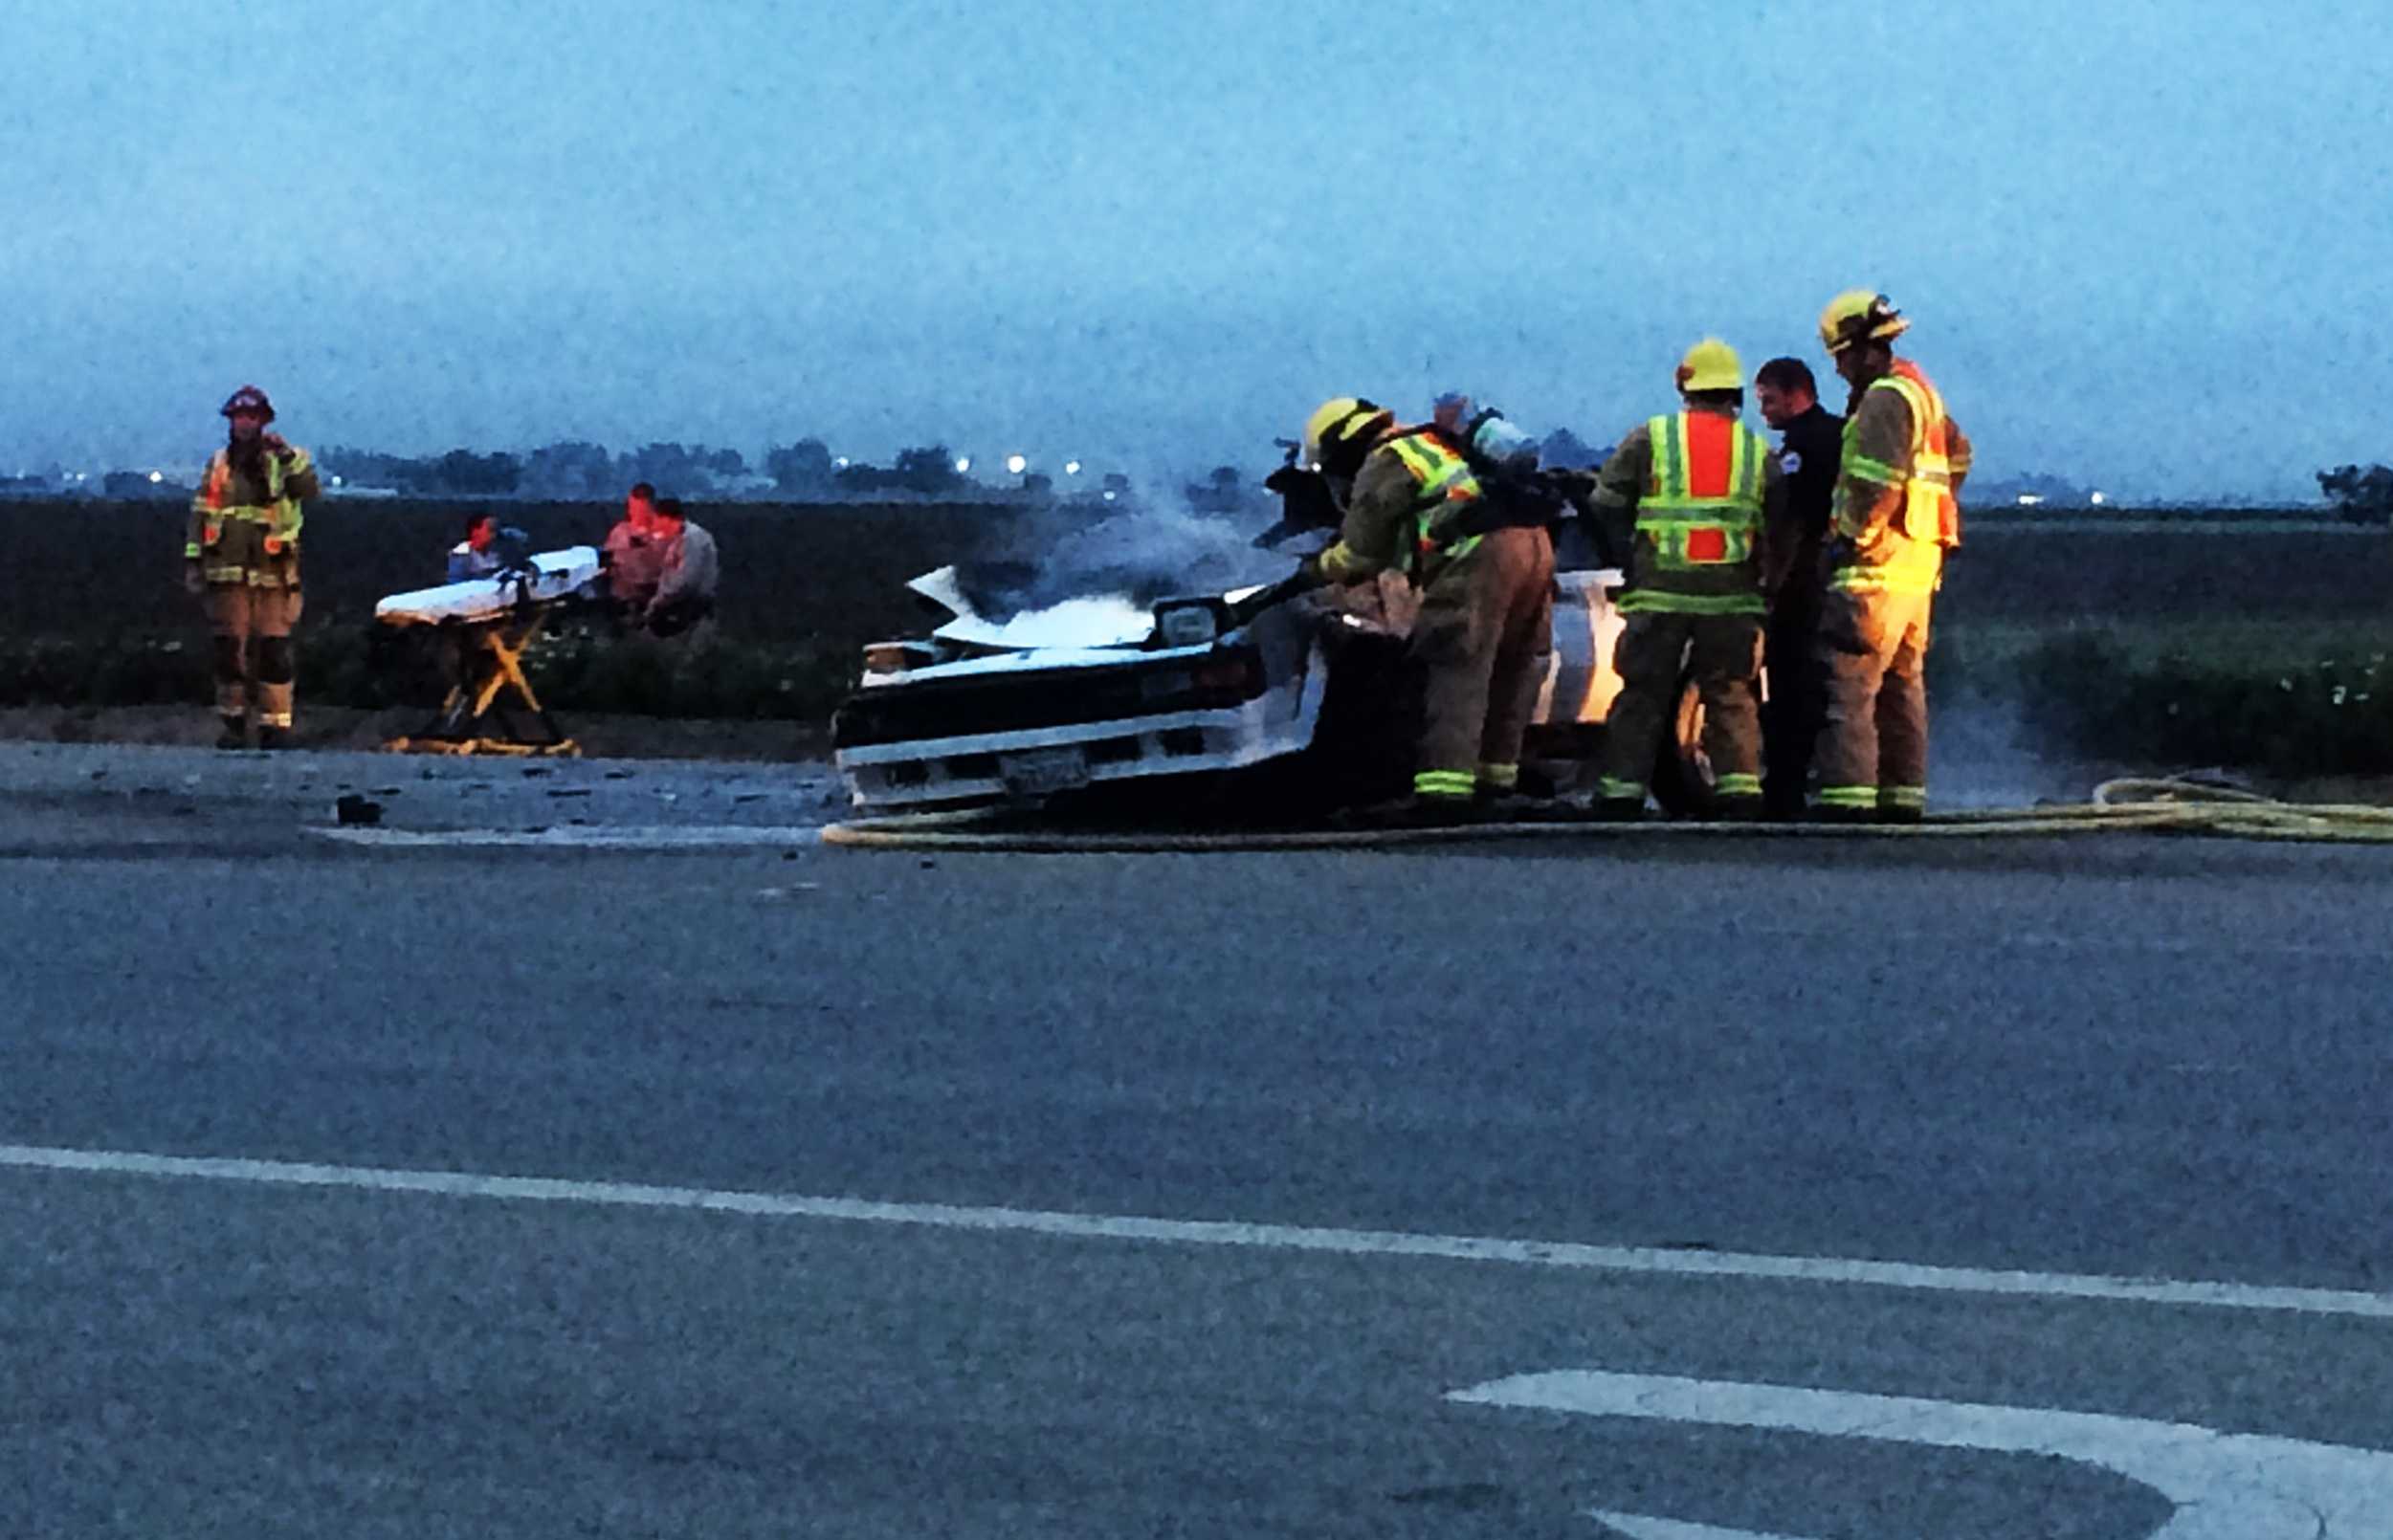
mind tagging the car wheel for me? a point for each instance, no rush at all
(1568, 756)
(1362, 744)
(1363, 740)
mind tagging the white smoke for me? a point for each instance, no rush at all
(1982, 753)
(1149, 546)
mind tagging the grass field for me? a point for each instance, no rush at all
(2164, 576)
(1986, 647)
(791, 572)
(810, 572)
(2247, 630)
(96, 614)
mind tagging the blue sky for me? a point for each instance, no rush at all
(2146, 246)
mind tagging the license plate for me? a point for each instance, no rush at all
(1043, 772)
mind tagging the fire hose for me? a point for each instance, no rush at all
(2150, 804)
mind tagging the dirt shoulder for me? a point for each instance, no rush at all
(332, 727)
(1987, 770)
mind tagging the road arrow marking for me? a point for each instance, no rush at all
(2225, 1486)
(1638, 1527)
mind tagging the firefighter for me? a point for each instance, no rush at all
(242, 552)
(1484, 584)
(1808, 449)
(1689, 497)
(1895, 513)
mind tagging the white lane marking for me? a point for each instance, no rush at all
(1638, 1527)
(1559, 1254)
(2225, 1486)
(1998, 940)
(577, 837)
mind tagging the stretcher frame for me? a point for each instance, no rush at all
(489, 668)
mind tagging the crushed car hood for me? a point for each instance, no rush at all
(1048, 659)
(1097, 621)
(1057, 634)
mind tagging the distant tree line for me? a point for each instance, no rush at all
(577, 469)
(568, 469)
(580, 471)
(2364, 494)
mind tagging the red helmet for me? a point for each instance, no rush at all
(249, 398)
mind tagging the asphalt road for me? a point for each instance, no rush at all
(1534, 1177)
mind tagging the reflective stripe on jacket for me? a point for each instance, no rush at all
(1699, 529)
(245, 531)
(1905, 553)
(1403, 514)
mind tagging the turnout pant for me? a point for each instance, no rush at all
(251, 636)
(1873, 752)
(1723, 653)
(1796, 703)
(1483, 639)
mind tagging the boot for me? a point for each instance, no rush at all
(1499, 805)
(1417, 812)
(274, 738)
(236, 734)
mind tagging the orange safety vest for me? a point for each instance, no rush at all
(256, 543)
(1930, 512)
(1929, 520)
(281, 516)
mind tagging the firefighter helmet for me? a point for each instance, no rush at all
(1859, 316)
(1710, 364)
(1494, 438)
(1336, 435)
(248, 399)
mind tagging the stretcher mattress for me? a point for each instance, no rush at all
(555, 577)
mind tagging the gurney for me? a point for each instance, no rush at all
(491, 707)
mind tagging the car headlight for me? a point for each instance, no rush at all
(1188, 622)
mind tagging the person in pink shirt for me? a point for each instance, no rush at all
(634, 555)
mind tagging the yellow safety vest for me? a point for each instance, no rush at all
(1699, 518)
(1444, 490)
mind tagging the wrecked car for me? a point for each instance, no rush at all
(1273, 701)
(1269, 702)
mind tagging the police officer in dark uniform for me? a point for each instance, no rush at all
(1810, 447)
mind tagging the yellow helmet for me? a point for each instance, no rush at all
(1710, 364)
(1342, 426)
(1859, 316)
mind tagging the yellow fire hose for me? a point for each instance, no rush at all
(2157, 804)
